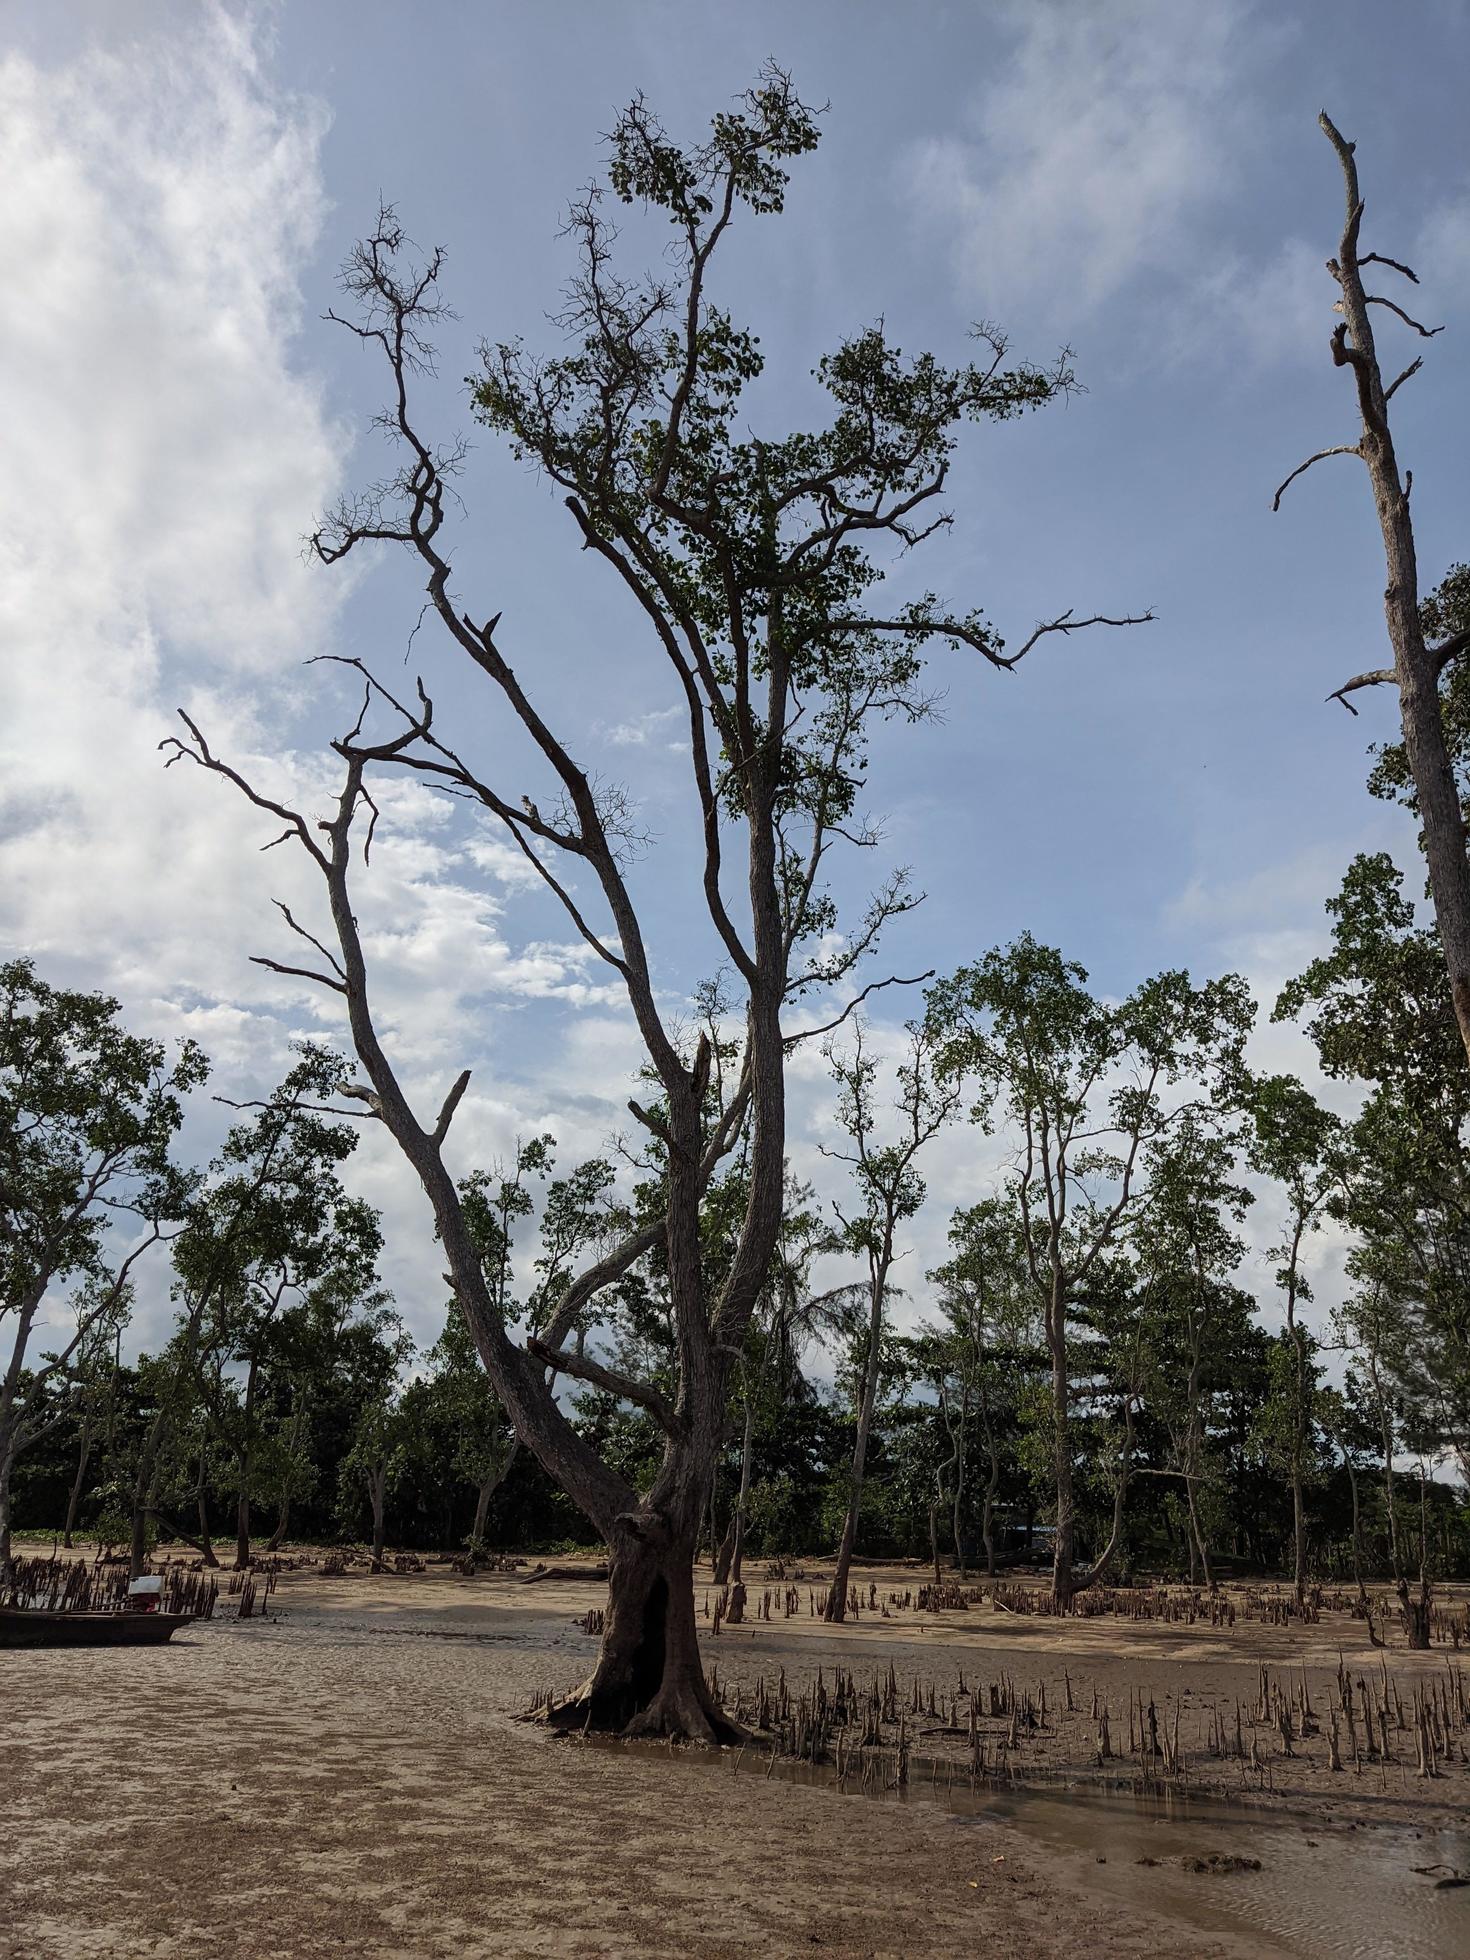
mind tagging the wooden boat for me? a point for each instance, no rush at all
(20, 1627)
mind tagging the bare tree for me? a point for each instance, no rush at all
(748, 562)
(1418, 667)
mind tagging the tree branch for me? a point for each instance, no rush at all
(581, 1367)
(1381, 677)
(1377, 299)
(873, 987)
(1338, 449)
(451, 1103)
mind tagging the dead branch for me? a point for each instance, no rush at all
(1337, 449)
(451, 1103)
(1065, 623)
(873, 987)
(1377, 299)
(1380, 677)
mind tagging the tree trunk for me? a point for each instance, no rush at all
(205, 1546)
(242, 1520)
(1195, 1450)
(283, 1518)
(836, 1610)
(74, 1498)
(648, 1679)
(1385, 1428)
(138, 1546)
(1063, 1581)
(1298, 1429)
(1198, 1548)
(992, 1485)
(731, 1554)
(377, 1483)
(1357, 1526)
(1416, 1613)
(484, 1491)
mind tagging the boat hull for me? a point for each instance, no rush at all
(19, 1628)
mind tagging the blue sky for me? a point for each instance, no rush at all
(1142, 181)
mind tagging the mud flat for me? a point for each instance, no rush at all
(348, 1777)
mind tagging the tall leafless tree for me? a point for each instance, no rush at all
(1418, 668)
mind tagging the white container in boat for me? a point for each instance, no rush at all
(146, 1595)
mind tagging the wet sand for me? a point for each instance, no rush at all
(349, 1778)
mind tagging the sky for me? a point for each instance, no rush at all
(1139, 180)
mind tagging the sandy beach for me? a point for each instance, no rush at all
(350, 1777)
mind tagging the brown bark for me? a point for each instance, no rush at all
(648, 1679)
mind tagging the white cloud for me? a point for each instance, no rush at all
(642, 730)
(165, 450)
(1096, 149)
(162, 456)
(1441, 257)
(1275, 310)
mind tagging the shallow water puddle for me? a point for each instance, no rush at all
(1323, 1888)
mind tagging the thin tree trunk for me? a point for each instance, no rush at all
(1385, 1431)
(293, 1444)
(205, 1545)
(74, 1498)
(242, 1517)
(201, 1501)
(377, 1483)
(959, 1483)
(1416, 1611)
(1357, 1525)
(940, 1469)
(1063, 1582)
(992, 1484)
(836, 1610)
(484, 1491)
(747, 1452)
(1298, 1427)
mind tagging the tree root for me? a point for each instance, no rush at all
(680, 1714)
